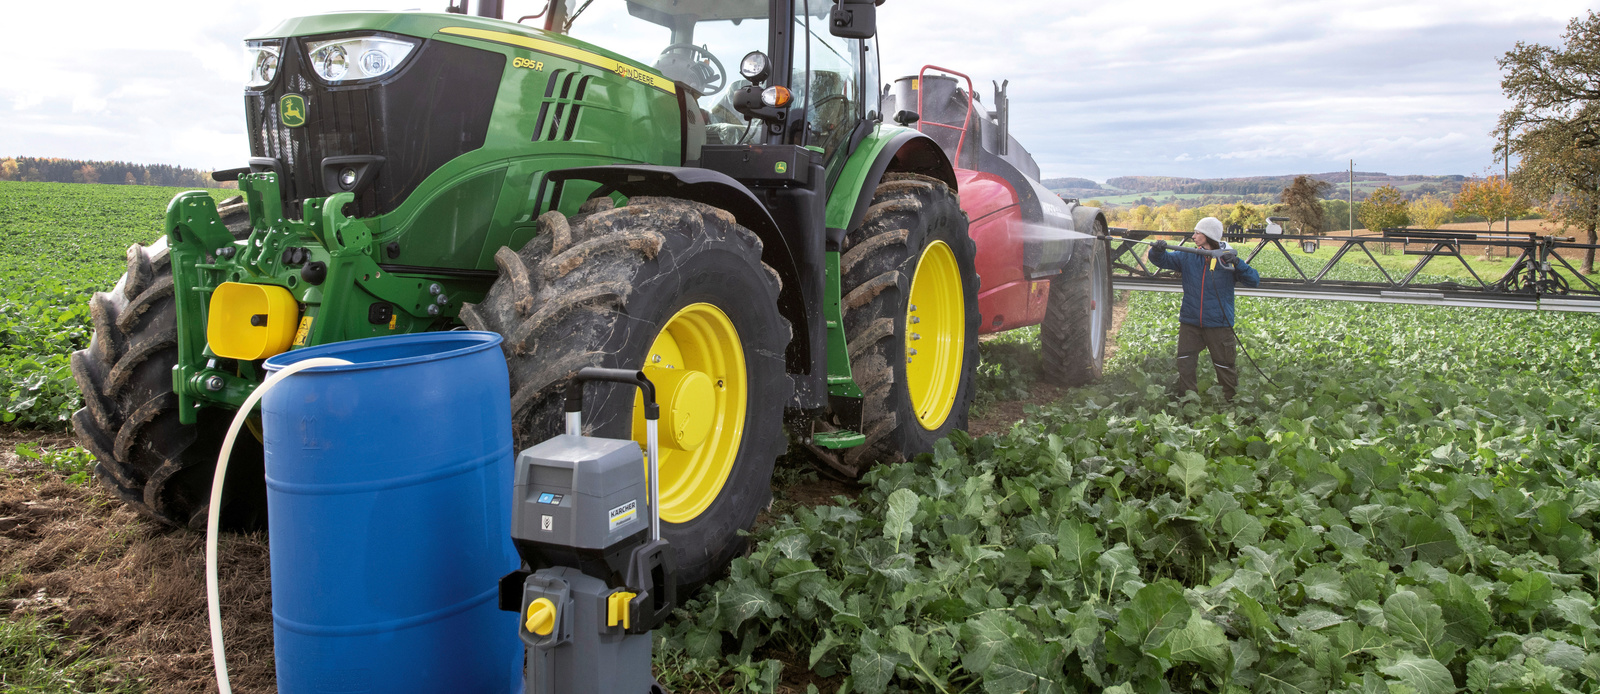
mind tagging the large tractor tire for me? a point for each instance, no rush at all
(675, 288)
(129, 419)
(1078, 317)
(911, 318)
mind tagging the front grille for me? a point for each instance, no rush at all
(434, 110)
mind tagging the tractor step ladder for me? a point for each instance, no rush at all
(1539, 278)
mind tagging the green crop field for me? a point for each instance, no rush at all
(1408, 506)
(1412, 508)
(60, 243)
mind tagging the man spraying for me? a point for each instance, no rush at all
(1206, 319)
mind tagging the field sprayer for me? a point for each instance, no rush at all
(601, 190)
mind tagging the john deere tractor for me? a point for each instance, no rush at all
(702, 189)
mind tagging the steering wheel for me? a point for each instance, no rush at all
(685, 60)
(816, 108)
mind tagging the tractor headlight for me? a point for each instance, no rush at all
(264, 59)
(359, 58)
(755, 67)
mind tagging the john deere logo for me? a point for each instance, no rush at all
(781, 167)
(292, 110)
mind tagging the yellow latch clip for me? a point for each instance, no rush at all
(617, 609)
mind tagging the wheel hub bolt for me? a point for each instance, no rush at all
(912, 351)
(915, 319)
(214, 383)
(915, 336)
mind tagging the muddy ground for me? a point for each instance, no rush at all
(133, 590)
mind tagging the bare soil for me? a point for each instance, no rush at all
(130, 587)
(1002, 414)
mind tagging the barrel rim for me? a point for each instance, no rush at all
(477, 341)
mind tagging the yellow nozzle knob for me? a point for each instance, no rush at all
(541, 617)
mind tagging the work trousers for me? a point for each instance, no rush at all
(1224, 347)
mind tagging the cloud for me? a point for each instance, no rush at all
(1246, 87)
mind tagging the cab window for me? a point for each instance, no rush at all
(827, 80)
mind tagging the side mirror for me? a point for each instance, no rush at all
(854, 19)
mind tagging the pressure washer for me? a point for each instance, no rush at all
(597, 578)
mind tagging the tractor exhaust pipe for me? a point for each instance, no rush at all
(1002, 109)
(494, 9)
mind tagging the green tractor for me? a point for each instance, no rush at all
(713, 199)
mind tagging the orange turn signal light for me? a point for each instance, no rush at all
(777, 97)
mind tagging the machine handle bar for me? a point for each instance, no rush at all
(629, 376)
(652, 413)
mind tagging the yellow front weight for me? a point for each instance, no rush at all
(250, 321)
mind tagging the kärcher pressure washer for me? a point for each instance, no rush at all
(597, 576)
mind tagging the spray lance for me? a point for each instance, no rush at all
(1226, 255)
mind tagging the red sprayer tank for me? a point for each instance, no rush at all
(1025, 234)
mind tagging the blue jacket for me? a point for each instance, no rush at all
(1207, 286)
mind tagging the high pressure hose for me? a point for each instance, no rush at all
(219, 659)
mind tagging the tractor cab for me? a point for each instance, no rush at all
(752, 80)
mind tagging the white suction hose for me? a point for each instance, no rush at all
(219, 659)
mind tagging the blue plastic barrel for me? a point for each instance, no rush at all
(388, 502)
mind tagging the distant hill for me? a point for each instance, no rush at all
(1073, 183)
(1147, 189)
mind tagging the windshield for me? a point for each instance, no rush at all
(696, 42)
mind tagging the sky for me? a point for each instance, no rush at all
(1203, 89)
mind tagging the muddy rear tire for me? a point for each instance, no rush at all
(1078, 318)
(610, 287)
(130, 416)
(915, 225)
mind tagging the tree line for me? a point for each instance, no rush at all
(57, 170)
(1304, 201)
(1271, 185)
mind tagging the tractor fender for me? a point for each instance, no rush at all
(1084, 217)
(718, 190)
(886, 148)
(1083, 220)
(713, 188)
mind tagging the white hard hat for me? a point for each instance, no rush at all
(1211, 227)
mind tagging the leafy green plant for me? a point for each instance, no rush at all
(75, 462)
(1413, 511)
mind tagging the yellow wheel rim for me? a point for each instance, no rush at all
(936, 335)
(697, 365)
